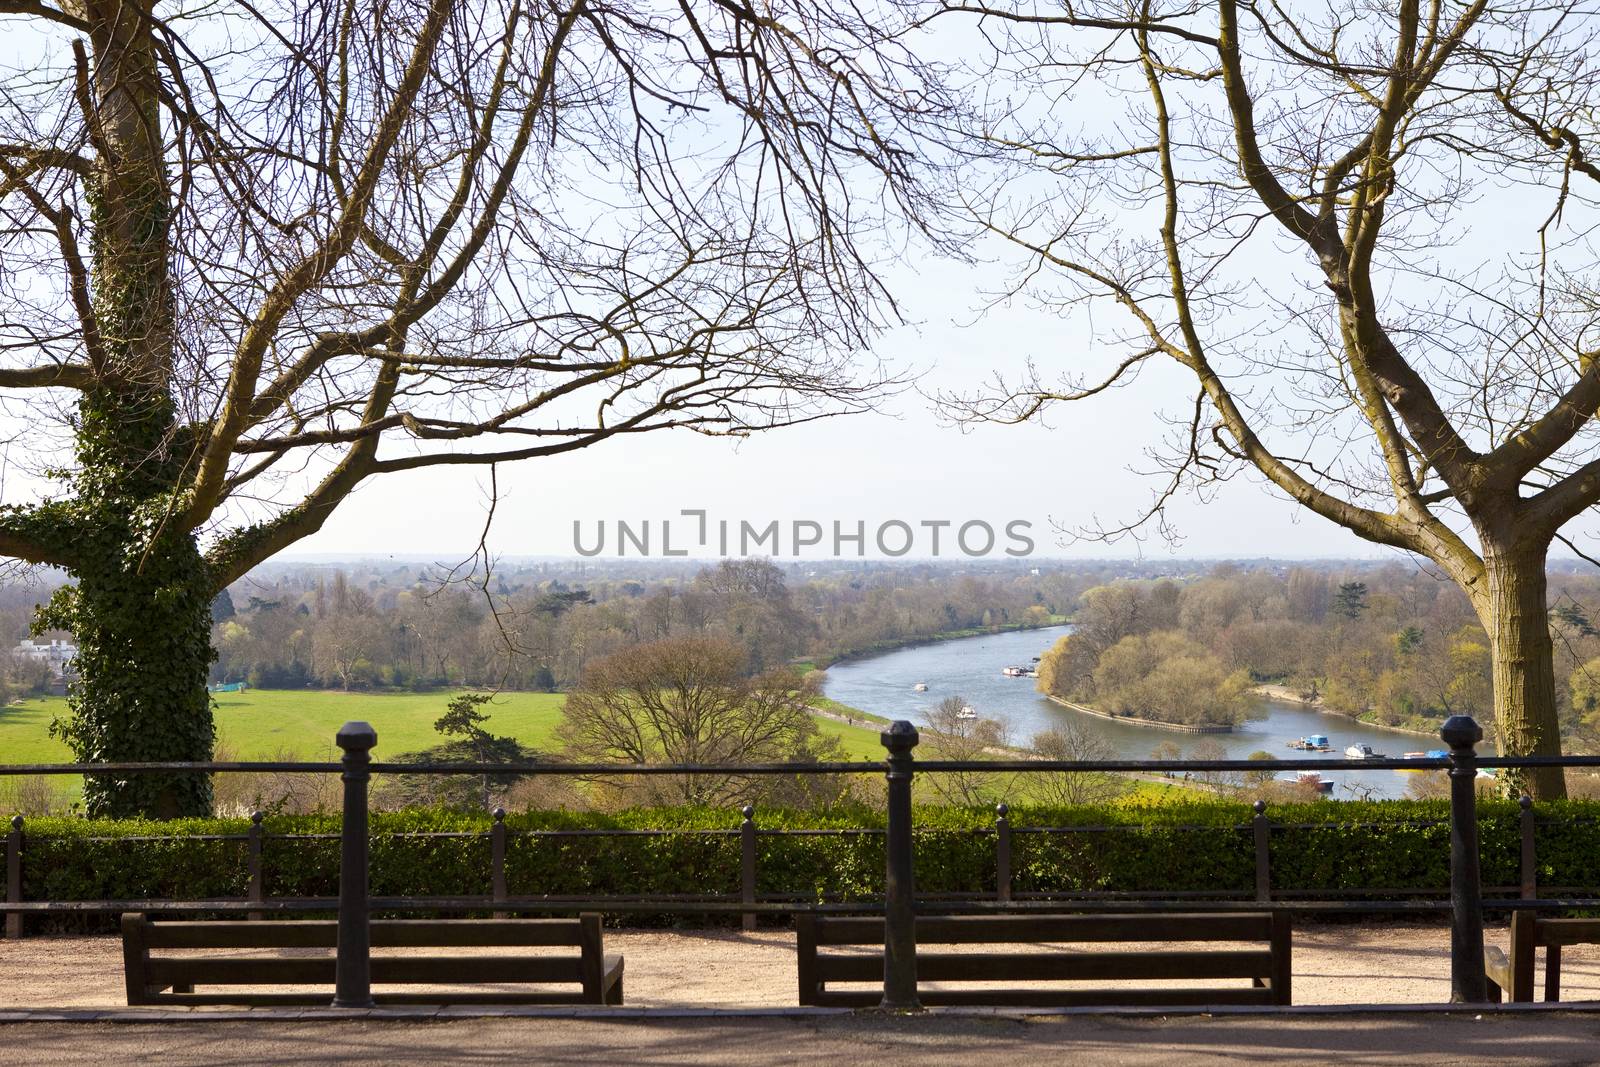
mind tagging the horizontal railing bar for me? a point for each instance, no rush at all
(867, 767)
(723, 904)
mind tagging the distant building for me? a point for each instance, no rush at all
(57, 653)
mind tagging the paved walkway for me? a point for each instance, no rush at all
(928, 1041)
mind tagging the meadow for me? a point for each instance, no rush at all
(300, 723)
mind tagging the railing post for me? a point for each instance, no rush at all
(899, 896)
(1529, 865)
(747, 865)
(257, 891)
(14, 876)
(352, 981)
(1468, 984)
(497, 860)
(1002, 852)
(1261, 827)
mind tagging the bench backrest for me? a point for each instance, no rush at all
(146, 974)
(1266, 960)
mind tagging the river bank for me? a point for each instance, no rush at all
(1287, 694)
(1134, 720)
(880, 648)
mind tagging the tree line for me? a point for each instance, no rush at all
(329, 627)
(1392, 644)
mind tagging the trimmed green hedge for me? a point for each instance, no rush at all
(1204, 845)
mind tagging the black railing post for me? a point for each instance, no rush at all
(1468, 984)
(1261, 827)
(352, 976)
(1002, 852)
(257, 891)
(747, 865)
(14, 876)
(899, 890)
(1529, 865)
(497, 860)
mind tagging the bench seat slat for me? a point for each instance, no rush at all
(1055, 966)
(386, 933)
(257, 970)
(1058, 998)
(380, 997)
(1014, 929)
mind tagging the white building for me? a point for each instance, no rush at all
(57, 653)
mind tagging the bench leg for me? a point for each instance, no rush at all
(1552, 973)
(614, 994)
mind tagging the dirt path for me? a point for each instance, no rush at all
(726, 969)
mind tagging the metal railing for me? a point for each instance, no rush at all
(900, 903)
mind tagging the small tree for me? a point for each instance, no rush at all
(1262, 777)
(951, 735)
(468, 742)
(1351, 600)
(1070, 741)
(688, 700)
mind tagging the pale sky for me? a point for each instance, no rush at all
(905, 463)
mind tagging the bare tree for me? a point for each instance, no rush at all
(688, 700)
(254, 255)
(1070, 741)
(1365, 234)
(955, 731)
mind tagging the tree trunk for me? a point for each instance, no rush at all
(140, 608)
(1517, 620)
(141, 616)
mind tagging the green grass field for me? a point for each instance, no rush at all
(266, 723)
(300, 724)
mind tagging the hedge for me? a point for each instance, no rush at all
(1377, 846)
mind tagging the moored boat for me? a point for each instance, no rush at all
(1359, 751)
(920, 687)
(1311, 778)
(968, 712)
(1312, 743)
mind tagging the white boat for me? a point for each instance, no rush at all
(967, 712)
(1362, 752)
(1014, 672)
(1311, 778)
(920, 687)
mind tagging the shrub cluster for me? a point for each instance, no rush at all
(1381, 848)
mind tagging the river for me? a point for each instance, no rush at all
(969, 667)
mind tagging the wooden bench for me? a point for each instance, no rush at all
(598, 978)
(1529, 933)
(1266, 962)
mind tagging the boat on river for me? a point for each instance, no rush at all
(1015, 672)
(1311, 778)
(1312, 743)
(968, 712)
(1359, 751)
(920, 687)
